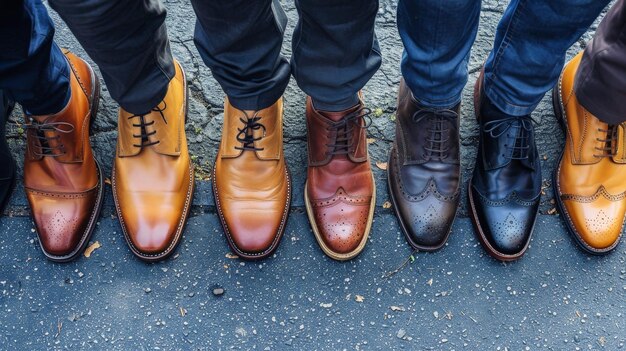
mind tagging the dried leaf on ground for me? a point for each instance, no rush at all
(91, 248)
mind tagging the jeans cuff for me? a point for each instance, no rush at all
(447, 103)
(337, 105)
(505, 106)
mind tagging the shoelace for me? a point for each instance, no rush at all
(45, 141)
(344, 128)
(611, 135)
(143, 124)
(521, 141)
(438, 134)
(245, 135)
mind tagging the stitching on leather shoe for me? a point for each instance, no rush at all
(600, 192)
(343, 196)
(429, 189)
(512, 197)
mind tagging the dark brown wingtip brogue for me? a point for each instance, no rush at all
(153, 176)
(589, 181)
(340, 195)
(424, 170)
(251, 181)
(62, 179)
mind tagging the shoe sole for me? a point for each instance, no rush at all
(559, 113)
(251, 256)
(330, 253)
(401, 221)
(95, 214)
(185, 215)
(474, 215)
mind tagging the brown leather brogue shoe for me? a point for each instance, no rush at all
(153, 177)
(62, 179)
(589, 181)
(252, 186)
(340, 194)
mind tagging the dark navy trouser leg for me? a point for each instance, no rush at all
(33, 70)
(128, 41)
(240, 41)
(335, 52)
(334, 49)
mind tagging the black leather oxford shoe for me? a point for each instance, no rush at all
(505, 188)
(7, 171)
(423, 171)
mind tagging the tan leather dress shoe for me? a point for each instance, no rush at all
(62, 179)
(340, 195)
(589, 181)
(153, 177)
(251, 180)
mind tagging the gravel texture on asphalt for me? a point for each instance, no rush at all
(555, 298)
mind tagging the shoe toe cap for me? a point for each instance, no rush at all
(253, 231)
(152, 237)
(61, 221)
(428, 222)
(152, 221)
(599, 225)
(507, 227)
(342, 226)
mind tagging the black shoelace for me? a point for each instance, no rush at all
(608, 150)
(246, 134)
(49, 135)
(344, 131)
(438, 134)
(520, 142)
(144, 135)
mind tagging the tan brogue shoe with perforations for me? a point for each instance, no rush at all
(62, 179)
(589, 181)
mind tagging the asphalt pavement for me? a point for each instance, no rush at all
(204, 298)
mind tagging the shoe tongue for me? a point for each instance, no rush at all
(336, 116)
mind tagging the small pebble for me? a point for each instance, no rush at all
(218, 291)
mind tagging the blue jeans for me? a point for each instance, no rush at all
(33, 70)
(137, 68)
(527, 57)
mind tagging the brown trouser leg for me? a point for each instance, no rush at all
(601, 78)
